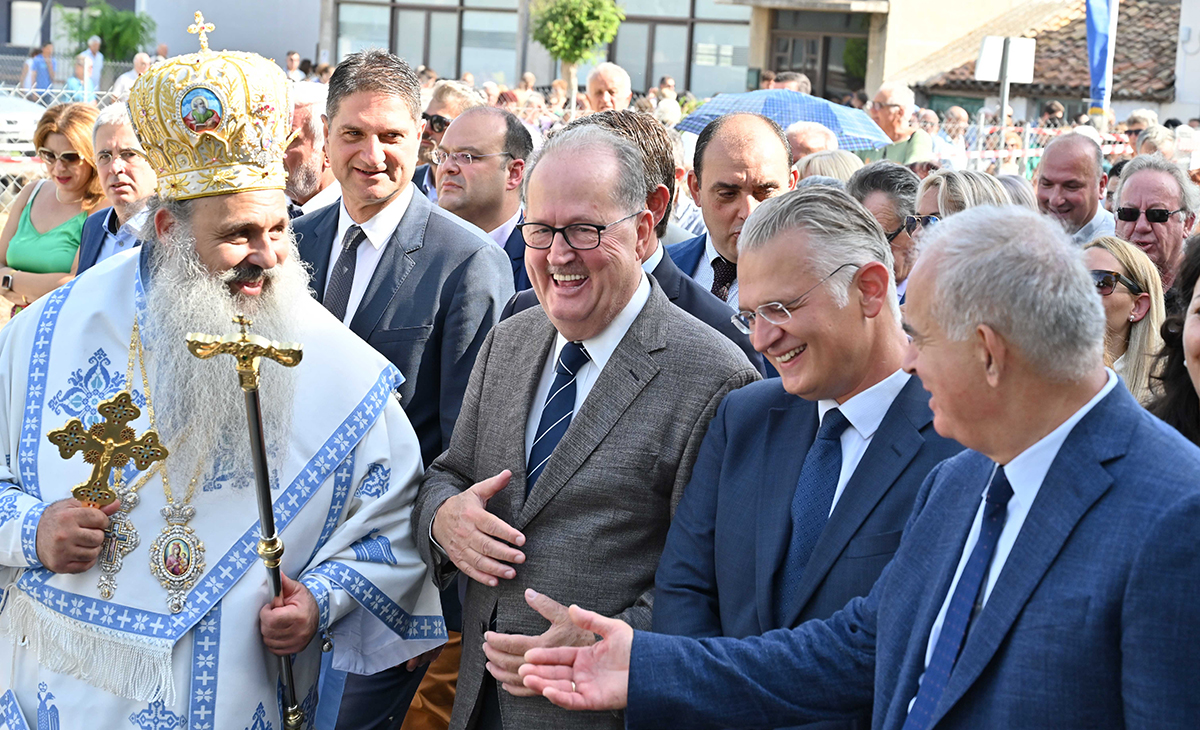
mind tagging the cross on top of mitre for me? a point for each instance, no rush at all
(201, 29)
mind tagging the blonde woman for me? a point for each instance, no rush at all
(1128, 282)
(946, 192)
(838, 164)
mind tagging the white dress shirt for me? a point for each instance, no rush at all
(650, 264)
(599, 349)
(328, 196)
(1025, 474)
(379, 231)
(501, 234)
(704, 273)
(865, 412)
(118, 238)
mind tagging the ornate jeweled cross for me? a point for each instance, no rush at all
(247, 351)
(202, 29)
(108, 444)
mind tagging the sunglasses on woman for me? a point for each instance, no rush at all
(1153, 215)
(70, 157)
(437, 123)
(913, 222)
(1106, 282)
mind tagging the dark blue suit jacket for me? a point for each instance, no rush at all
(720, 570)
(418, 179)
(683, 293)
(1093, 622)
(687, 255)
(94, 233)
(515, 248)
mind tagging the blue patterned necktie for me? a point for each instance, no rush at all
(556, 414)
(958, 615)
(811, 503)
(337, 294)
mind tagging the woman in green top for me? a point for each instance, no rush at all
(39, 245)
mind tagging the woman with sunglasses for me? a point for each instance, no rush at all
(39, 244)
(946, 192)
(1128, 282)
(1177, 401)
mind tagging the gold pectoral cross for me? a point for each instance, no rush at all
(247, 351)
(108, 444)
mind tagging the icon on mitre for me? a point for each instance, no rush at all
(201, 110)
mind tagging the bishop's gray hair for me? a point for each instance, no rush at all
(581, 143)
(1017, 272)
(840, 231)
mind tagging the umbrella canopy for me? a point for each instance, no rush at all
(855, 130)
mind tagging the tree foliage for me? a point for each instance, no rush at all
(122, 32)
(572, 30)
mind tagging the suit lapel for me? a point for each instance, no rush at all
(668, 276)
(394, 265)
(532, 350)
(625, 375)
(1076, 480)
(316, 247)
(791, 431)
(892, 448)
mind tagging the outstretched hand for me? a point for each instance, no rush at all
(595, 677)
(506, 652)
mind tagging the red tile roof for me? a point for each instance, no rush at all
(1143, 62)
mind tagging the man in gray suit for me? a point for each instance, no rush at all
(578, 432)
(417, 283)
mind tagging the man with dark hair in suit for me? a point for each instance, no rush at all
(128, 180)
(417, 283)
(577, 435)
(449, 99)
(480, 167)
(658, 162)
(803, 484)
(889, 191)
(1048, 577)
(741, 160)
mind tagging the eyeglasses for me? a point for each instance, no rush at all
(1133, 133)
(927, 125)
(913, 222)
(892, 236)
(880, 106)
(1106, 282)
(437, 123)
(1153, 215)
(774, 312)
(105, 158)
(439, 157)
(579, 236)
(70, 157)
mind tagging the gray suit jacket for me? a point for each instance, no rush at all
(437, 291)
(597, 519)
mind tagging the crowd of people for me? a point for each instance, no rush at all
(736, 429)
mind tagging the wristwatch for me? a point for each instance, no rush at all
(6, 281)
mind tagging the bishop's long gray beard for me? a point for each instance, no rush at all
(199, 408)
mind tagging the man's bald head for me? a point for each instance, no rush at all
(738, 131)
(1071, 180)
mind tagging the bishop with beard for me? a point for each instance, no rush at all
(155, 611)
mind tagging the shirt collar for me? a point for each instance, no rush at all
(710, 251)
(383, 224)
(601, 347)
(133, 226)
(325, 197)
(866, 410)
(501, 234)
(650, 264)
(1027, 470)
(112, 223)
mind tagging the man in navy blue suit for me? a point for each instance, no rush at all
(741, 160)
(1048, 577)
(480, 166)
(804, 482)
(128, 180)
(652, 141)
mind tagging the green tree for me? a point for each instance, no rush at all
(572, 31)
(122, 32)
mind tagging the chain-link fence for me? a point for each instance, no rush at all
(1018, 150)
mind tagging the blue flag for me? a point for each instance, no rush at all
(1101, 38)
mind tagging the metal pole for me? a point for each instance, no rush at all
(1003, 113)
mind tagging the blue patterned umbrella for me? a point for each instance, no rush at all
(854, 129)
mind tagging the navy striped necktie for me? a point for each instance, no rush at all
(337, 294)
(958, 614)
(556, 414)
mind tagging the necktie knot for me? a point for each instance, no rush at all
(1000, 491)
(724, 274)
(572, 357)
(354, 236)
(832, 425)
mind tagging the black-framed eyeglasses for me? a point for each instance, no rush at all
(892, 236)
(1106, 282)
(775, 312)
(913, 222)
(1133, 133)
(436, 122)
(1153, 215)
(579, 236)
(70, 157)
(440, 156)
